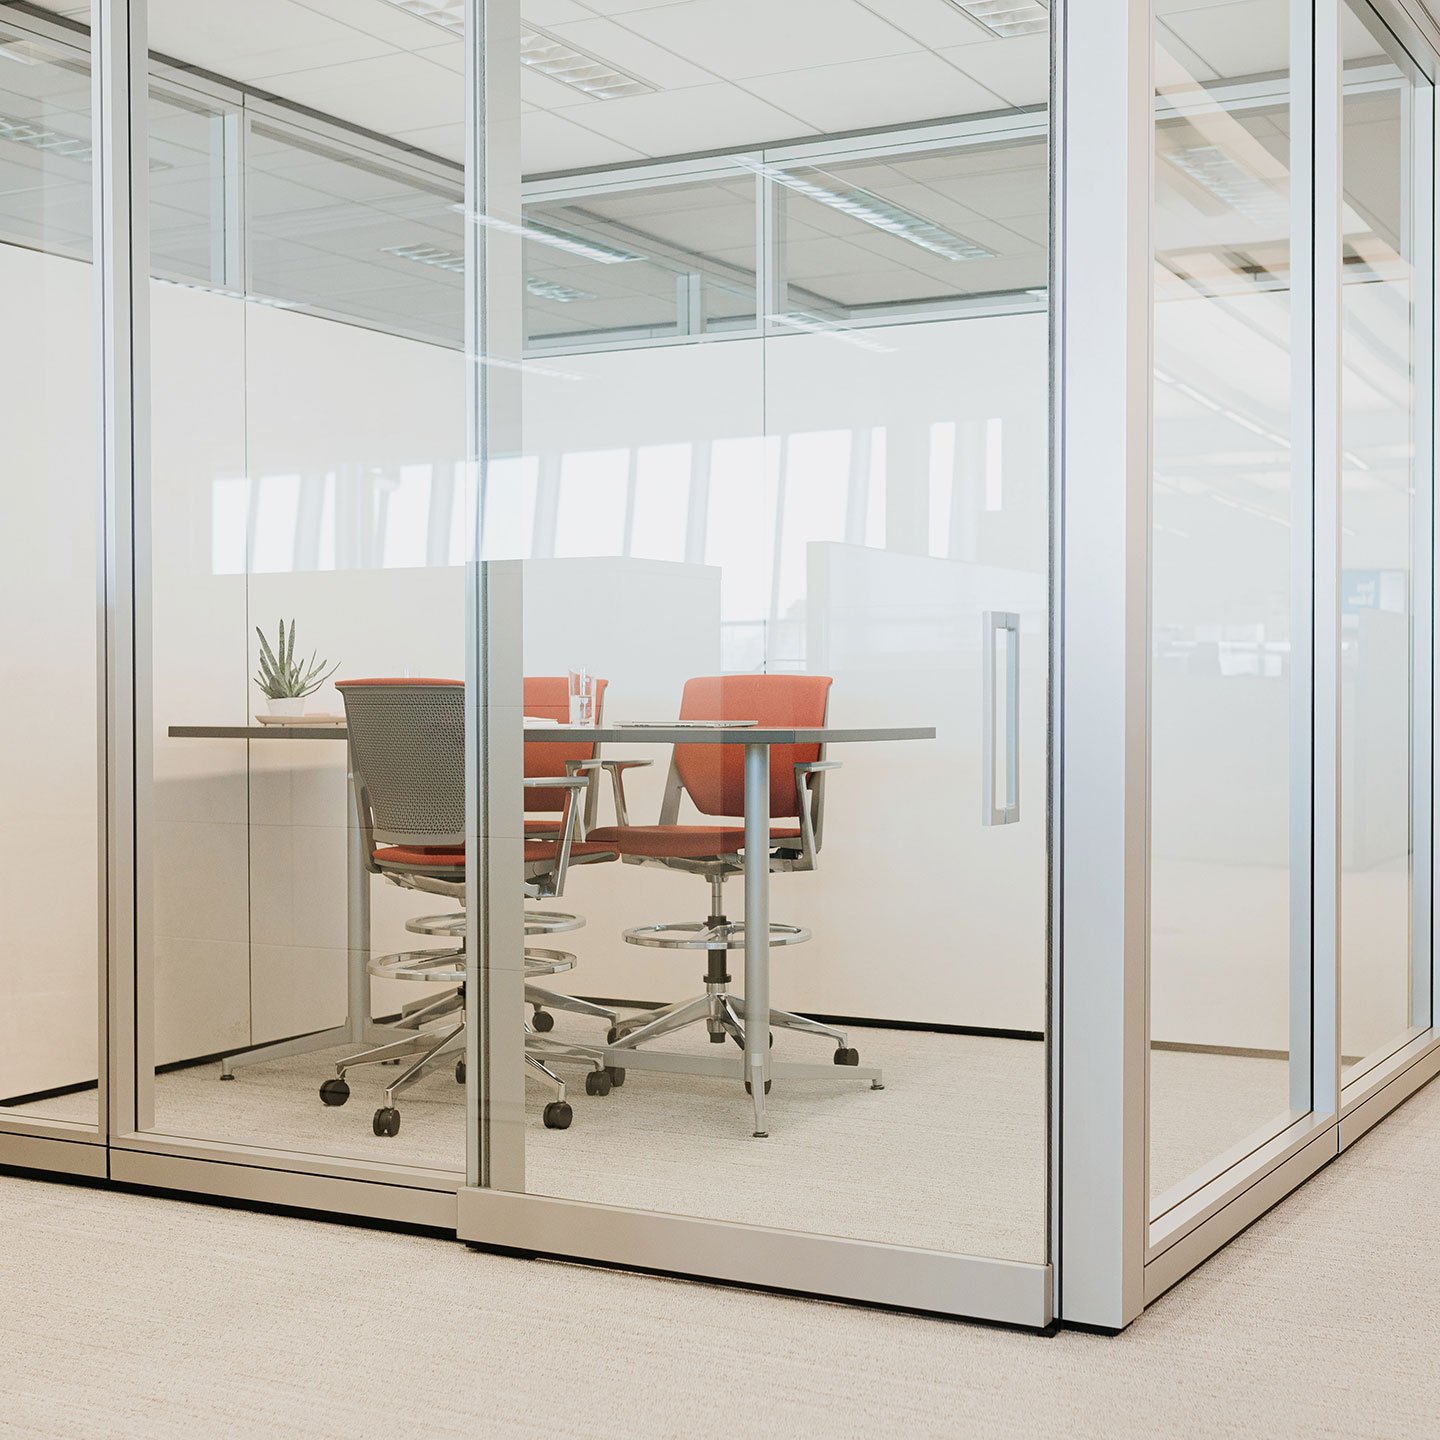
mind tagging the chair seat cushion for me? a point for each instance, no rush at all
(681, 842)
(444, 858)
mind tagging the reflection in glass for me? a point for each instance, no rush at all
(50, 735)
(1386, 120)
(1221, 612)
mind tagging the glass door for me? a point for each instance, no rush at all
(782, 464)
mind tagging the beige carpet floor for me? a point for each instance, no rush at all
(132, 1316)
(949, 1156)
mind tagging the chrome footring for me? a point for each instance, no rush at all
(696, 935)
(551, 922)
(452, 925)
(438, 967)
(547, 962)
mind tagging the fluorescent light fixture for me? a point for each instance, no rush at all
(1008, 17)
(24, 52)
(433, 255)
(448, 14)
(1232, 184)
(454, 261)
(893, 219)
(57, 142)
(816, 325)
(595, 250)
(549, 290)
(548, 56)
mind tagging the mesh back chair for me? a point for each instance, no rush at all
(407, 752)
(713, 777)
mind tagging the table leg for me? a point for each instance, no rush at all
(357, 924)
(757, 926)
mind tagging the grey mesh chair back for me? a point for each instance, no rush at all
(407, 756)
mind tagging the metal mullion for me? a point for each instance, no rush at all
(1103, 382)
(1303, 420)
(1326, 438)
(120, 86)
(494, 336)
(1422, 609)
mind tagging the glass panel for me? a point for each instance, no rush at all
(851, 511)
(354, 234)
(650, 263)
(965, 223)
(1223, 595)
(194, 150)
(308, 471)
(50, 735)
(1387, 124)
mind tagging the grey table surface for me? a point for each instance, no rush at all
(606, 734)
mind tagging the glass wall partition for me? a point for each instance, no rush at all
(1387, 123)
(307, 507)
(1227, 676)
(50, 526)
(791, 468)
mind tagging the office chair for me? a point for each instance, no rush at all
(713, 777)
(407, 749)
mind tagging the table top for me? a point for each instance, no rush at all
(603, 735)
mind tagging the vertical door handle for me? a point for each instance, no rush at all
(1007, 810)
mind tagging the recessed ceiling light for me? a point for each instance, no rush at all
(1008, 17)
(1232, 184)
(36, 137)
(434, 255)
(893, 219)
(595, 250)
(549, 290)
(552, 57)
(449, 14)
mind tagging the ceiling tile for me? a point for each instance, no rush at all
(553, 12)
(550, 142)
(1246, 38)
(1016, 69)
(892, 90)
(623, 48)
(394, 92)
(740, 38)
(934, 23)
(679, 121)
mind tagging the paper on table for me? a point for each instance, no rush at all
(686, 724)
(534, 720)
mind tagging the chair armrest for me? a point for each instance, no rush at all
(617, 769)
(807, 802)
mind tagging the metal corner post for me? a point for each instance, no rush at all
(1103, 381)
(120, 90)
(495, 1154)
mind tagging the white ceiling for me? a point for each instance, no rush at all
(726, 73)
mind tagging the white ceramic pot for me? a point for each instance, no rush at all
(295, 706)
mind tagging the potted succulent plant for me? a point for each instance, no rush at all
(283, 681)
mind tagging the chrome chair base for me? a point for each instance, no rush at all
(537, 922)
(709, 935)
(723, 1015)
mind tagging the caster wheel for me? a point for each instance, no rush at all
(617, 1076)
(750, 1089)
(459, 1072)
(224, 1076)
(543, 1020)
(558, 1115)
(847, 1057)
(598, 1082)
(334, 1092)
(387, 1121)
(612, 1034)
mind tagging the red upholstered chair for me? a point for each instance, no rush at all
(713, 778)
(547, 697)
(407, 763)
